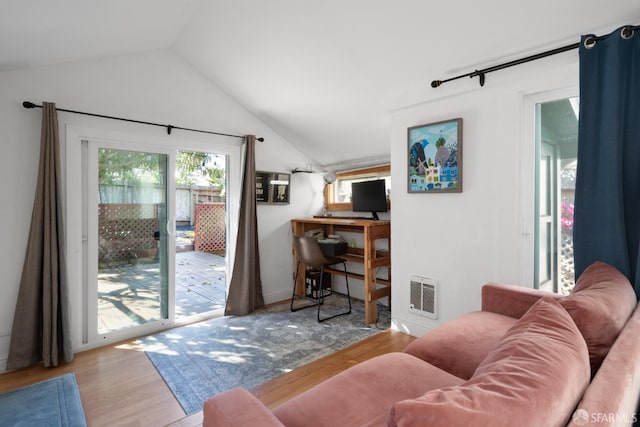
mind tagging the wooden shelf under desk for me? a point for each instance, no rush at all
(372, 259)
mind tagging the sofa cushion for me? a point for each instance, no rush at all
(363, 394)
(600, 305)
(460, 345)
(534, 377)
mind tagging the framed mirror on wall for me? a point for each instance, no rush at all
(272, 187)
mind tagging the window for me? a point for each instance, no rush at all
(556, 161)
(338, 194)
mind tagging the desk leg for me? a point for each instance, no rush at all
(298, 230)
(370, 307)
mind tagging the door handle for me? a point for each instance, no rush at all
(171, 227)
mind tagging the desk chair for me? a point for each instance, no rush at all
(309, 253)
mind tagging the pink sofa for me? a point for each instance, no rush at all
(529, 358)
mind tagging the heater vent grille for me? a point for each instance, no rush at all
(423, 296)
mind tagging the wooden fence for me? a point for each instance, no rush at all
(124, 229)
(186, 197)
(210, 229)
(127, 230)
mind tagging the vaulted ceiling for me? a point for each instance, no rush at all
(323, 74)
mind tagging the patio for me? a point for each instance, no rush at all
(129, 295)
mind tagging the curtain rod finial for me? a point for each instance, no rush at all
(436, 83)
(28, 104)
(261, 139)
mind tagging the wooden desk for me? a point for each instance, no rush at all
(368, 256)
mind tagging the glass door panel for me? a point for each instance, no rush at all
(133, 256)
(201, 234)
(556, 148)
(547, 242)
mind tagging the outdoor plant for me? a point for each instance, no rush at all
(566, 216)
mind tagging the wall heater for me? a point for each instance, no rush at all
(424, 297)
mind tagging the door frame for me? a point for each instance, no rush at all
(77, 184)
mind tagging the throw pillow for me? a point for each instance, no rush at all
(461, 344)
(534, 377)
(600, 305)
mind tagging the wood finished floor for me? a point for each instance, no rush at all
(119, 386)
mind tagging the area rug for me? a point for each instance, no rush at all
(54, 402)
(203, 359)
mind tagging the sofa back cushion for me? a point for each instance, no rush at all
(461, 344)
(600, 305)
(534, 377)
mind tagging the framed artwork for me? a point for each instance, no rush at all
(272, 187)
(435, 157)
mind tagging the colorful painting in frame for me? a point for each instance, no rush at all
(435, 157)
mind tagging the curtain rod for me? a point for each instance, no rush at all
(625, 32)
(27, 104)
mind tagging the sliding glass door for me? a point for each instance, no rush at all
(150, 225)
(132, 221)
(129, 234)
(156, 238)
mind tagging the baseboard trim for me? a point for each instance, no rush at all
(410, 326)
(277, 297)
(3, 363)
(5, 338)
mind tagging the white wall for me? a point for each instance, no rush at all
(464, 240)
(274, 222)
(155, 86)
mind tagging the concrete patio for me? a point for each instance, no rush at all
(129, 295)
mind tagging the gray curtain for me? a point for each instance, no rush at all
(245, 289)
(41, 322)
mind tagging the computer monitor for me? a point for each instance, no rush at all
(369, 196)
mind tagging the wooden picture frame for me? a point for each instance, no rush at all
(434, 157)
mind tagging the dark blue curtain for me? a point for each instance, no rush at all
(607, 200)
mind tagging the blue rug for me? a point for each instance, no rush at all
(54, 402)
(203, 359)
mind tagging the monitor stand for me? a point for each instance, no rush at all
(375, 216)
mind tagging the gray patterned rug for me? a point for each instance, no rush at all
(203, 359)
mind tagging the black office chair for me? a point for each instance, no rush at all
(309, 253)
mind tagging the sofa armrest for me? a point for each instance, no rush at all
(511, 300)
(612, 398)
(237, 407)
